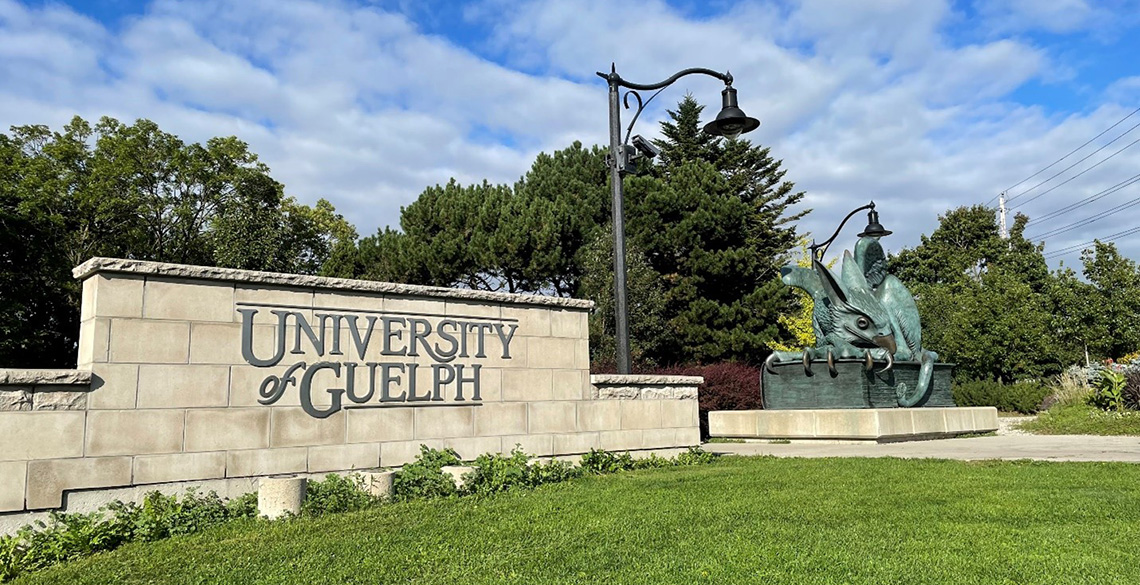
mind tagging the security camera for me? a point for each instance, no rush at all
(645, 147)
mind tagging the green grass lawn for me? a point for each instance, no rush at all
(742, 520)
(1082, 419)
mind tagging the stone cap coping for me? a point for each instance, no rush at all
(645, 380)
(15, 377)
(145, 268)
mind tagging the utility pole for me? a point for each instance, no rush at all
(1001, 216)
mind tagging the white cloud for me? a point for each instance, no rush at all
(861, 100)
(1125, 90)
(1058, 16)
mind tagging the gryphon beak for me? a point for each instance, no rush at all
(886, 342)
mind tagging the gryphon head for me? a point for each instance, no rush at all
(856, 314)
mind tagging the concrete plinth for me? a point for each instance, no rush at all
(280, 496)
(457, 472)
(869, 424)
(379, 483)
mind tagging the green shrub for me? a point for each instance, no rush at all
(243, 506)
(696, 456)
(495, 472)
(66, 537)
(161, 516)
(1023, 397)
(600, 462)
(336, 493)
(425, 477)
(552, 471)
(1109, 391)
(63, 538)
(10, 555)
(652, 462)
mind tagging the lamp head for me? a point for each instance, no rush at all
(731, 121)
(874, 229)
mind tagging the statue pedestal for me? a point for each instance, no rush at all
(864, 424)
(852, 386)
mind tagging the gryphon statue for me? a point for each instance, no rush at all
(866, 315)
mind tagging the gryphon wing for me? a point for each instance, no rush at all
(904, 313)
(808, 281)
(893, 295)
(872, 260)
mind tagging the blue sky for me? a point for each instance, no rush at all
(922, 105)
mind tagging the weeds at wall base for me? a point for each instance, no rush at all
(66, 537)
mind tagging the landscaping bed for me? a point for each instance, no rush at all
(739, 520)
(1084, 419)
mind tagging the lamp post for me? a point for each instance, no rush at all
(874, 229)
(730, 123)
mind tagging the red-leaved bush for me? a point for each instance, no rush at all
(728, 386)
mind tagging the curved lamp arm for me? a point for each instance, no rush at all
(822, 248)
(616, 81)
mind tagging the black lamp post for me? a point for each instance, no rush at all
(874, 229)
(730, 123)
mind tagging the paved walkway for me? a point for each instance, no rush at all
(1040, 447)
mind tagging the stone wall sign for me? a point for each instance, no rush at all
(455, 347)
(194, 375)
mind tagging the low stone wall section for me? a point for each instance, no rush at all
(22, 390)
(644, 387)
(164, 396)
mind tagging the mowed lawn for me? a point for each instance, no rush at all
(741, 520)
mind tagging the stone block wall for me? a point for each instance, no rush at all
(165, 393)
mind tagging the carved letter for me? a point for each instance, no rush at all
(307, 390)
(360, 343)
(412, 397)
(387, 322)
(303, 325)
(438, 380)
(247, 339)
(335, 332)
(506, 338)
(482, 328)
(350, 383)
(448, 355)
(473, 380)
(386, 380)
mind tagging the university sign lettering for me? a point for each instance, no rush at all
(453, 344)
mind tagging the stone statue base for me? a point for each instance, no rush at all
(852, 386)
(881, 425)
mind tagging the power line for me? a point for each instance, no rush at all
(1102, 161)
(1088, 220)
(1054, 163)
(1087, 200)
(1066, 169)
(1071, 249)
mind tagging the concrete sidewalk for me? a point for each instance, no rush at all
(1039, 447)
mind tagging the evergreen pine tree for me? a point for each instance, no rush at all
(713, 220)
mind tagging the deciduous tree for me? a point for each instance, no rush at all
(135, 191)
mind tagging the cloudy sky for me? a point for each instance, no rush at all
(921, 105)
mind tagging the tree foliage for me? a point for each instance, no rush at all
(525, 238)
(648, 325)
(708, 227)
(993, 306)
(134, 191)
(799, 323)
